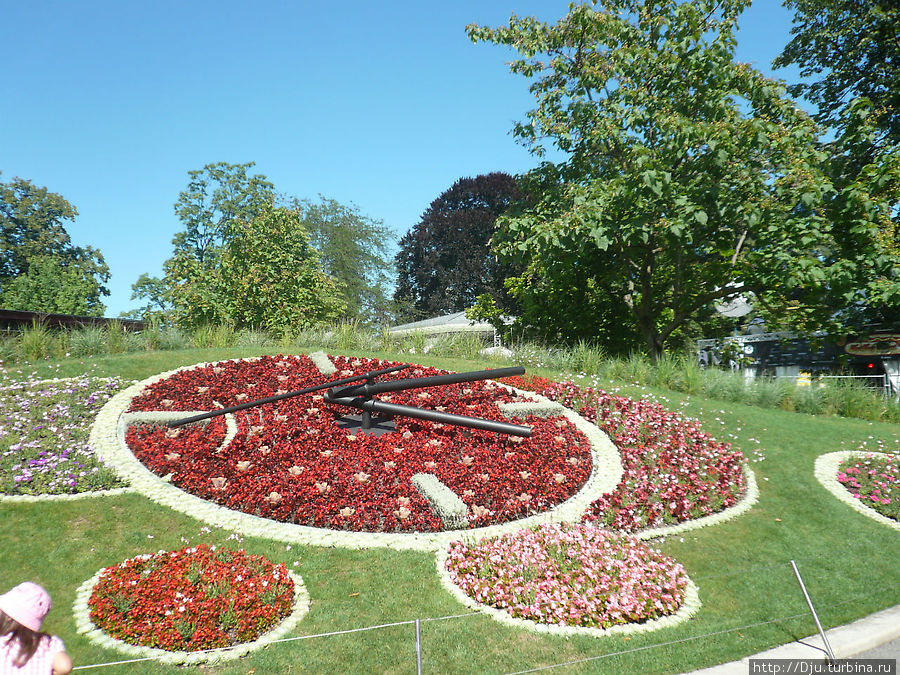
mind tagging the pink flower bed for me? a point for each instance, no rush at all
(569, 575)
(673, 470)
(291, 462)
(875, 481)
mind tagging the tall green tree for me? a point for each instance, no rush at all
(218, 201)
(445, 261)
(271, 278)
(217, 198)
(354, 250)
(848, 49)
(34, 245)
(682, 170)
(154, 292)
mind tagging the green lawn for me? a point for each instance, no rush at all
(741, 567)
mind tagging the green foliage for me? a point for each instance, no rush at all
(847, 49)
(271, 278)
(153, 291)
(244, 262)
(219, 201)
(445, 261)
(354, 251)
(682, 170)
(218, 197)
(50, 285)
(40, 269)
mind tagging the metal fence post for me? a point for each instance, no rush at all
(418, 647)
(812, 609)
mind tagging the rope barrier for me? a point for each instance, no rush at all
(532, 670)
(293, 639)
(689, 639)
(654, 646)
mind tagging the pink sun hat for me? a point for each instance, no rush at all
(27, 603)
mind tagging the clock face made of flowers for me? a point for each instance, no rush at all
(292, 460)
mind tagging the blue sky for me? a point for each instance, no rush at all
(382, 104)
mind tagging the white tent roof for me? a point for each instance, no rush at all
(448, 323)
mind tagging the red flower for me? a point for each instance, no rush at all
(191, 599)
(295, 449)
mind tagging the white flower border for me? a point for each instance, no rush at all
(826, 470)
(31, 499)
(689, 607)
(86, 627)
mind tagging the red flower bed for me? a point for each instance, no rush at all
(291, 462)
(673, 470)
(192, 599)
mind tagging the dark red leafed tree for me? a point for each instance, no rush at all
(445, 260)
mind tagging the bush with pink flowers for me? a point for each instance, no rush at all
(569, 575)
(673, 470)
(875, 481)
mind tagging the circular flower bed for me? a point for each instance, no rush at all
(193, 599)
(673, 470)
(572, 576)
(290, 460)
(874, 480)
(837, 472)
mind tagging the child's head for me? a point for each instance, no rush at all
(28, 604)
(22, 612)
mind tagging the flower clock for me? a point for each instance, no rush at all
(179, 603)
(526, 527)
(292, 460)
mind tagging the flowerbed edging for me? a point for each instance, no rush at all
(107, 437)
(31, 499)
(751, 496)
(689, 607)
(84, 626)
(826, 470)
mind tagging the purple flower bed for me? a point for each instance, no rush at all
(44, 428)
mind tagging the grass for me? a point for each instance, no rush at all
(741, 567)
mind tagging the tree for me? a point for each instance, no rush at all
(852, 47)
(271, 277)
(218, 201)
(682, 171)
(34, 245)
(218, 197)
(54, 287)
(445, 261)
(353, 250)
(154, 292)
